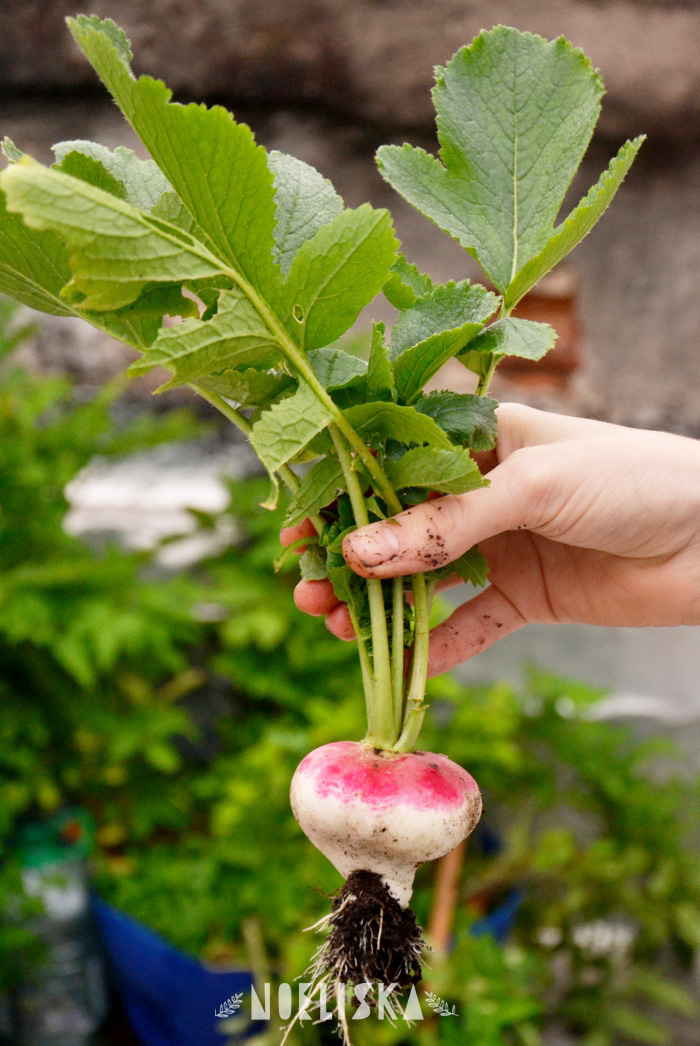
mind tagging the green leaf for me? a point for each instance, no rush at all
(348, 586)
(287, 427)
(143, 180)
(380, 373)
(447, 471)
(509, 337)
(437, 327)
(578, 224)
(317, 489)
(312, 564)
(665, 993)
(305, 201)
(406, 284)
(338, 272)
(171, 209)
(235, 336)
(10, 150)
(635, 1025)
(392, 421)
(212, 163)
(471, 567)
(515, 115)
(336, 369)
(93, 172)
(466, 418)
(247, 388)
(116, 249)
(34, 264)
(138, 324)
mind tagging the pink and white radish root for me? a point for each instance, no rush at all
(377, 815)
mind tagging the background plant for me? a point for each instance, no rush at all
(93, 655)
(175, 752)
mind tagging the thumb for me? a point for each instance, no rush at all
(434, 533)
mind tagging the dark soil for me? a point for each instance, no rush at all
(372, 939)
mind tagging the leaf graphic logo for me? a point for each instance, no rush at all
(228, 1008)
(440, 1007)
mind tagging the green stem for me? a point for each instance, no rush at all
(296, 356)
(482, 387)
(290, 480)
(415, 705)
(380, 713)
(397, 653)
(365, 663)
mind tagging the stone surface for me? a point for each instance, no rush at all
(372, 59)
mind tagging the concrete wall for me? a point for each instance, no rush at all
(329, 80)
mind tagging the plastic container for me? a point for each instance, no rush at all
(65, 1001)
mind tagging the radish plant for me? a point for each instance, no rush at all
(266, 268)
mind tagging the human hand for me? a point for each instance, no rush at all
(582, 521)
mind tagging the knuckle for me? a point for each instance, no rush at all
(536, 476)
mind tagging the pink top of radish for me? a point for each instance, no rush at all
(422, 780)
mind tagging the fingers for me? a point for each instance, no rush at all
(338, 622)
(315, 597)
(520, 426)
(288, 535)
(473, 627)
(436, 532)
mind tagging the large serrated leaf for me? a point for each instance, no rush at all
(305, 201)
(143, 180)
(115, 248)
(235, 336)
(317, 489)
(392, 421)
(468, 419)
(447, 471)
(437, 327)
(211, 161)
(578, 224)
(338, 272)
(515, 115)
(286, 428)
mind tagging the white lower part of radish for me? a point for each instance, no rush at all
(385, 812)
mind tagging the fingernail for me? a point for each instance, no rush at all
(374, 545)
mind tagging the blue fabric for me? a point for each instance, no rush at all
(499, 922)
(169, 998)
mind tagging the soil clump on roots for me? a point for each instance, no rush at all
(372, 938)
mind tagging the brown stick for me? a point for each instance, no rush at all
(447, 876)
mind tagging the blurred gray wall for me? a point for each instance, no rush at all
(329, 80)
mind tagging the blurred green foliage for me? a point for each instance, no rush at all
(176, 711)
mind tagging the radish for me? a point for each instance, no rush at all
(377, 815)
(384, 812)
